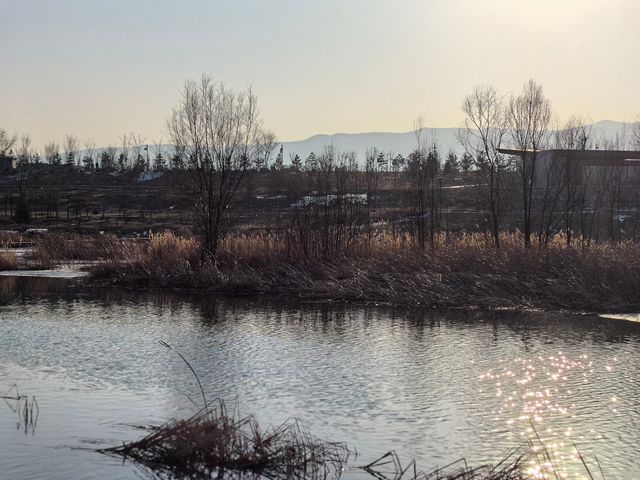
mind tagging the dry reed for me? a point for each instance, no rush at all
(462, 270)
(389, 467)
(8, 261)
(528, 463)
(73, 246)
(26, 409)
(10, 238)
(214, 442)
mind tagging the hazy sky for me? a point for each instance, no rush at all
(100, 68)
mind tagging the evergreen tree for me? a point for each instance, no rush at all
(279, 163)
(123, 161)
(466, 162)
(259, 162)
(159, 162)
(296, 162)
(433, 162)
(451, 164)
(87, 162)
(311, 163)
(106, 161)
(177, 161)
(398, 162)
(140, 164)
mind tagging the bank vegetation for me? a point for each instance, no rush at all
(461, 270)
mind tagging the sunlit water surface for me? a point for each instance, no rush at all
(433, 386)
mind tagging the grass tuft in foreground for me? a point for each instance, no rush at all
(215, 443)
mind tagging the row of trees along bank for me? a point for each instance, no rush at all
(219, 143)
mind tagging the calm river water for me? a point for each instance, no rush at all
(434, 386)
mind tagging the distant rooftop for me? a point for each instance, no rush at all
(591, 157)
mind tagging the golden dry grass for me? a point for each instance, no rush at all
(8, 261)
(463, 270)
(9, 238)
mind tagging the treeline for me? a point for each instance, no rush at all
(332, 198)
(133, 154)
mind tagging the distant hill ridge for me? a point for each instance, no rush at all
(405, 142)
(398, 143)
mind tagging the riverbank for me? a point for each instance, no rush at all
(461, 271)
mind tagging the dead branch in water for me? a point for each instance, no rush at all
(25, 408)
(389, 467)
(533, 461)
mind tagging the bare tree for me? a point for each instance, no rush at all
(24, 151)
(123, 157)
(220, 131)
(482, 135)
(89, 150)
(178, 158)
(51, 152)
(553, 188)
(371, 183)
(528, 115)
(268, 144)
(6, 142)
(425, 194)
(572, 138)
(70, 147)
(418, 130)
(108, 158)
(22, 213)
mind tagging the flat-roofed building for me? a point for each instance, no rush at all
(578, 166)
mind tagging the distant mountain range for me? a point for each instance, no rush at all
(397, 143)
(405, 142)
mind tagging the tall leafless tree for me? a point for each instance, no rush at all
(482, 135)
(268, 143)
(24, 150)
(528, 116)
(572, 138)
(70, 147)
(220, 131)
(89, 150)
(51, 152)
(425, 194)
(6, 142)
